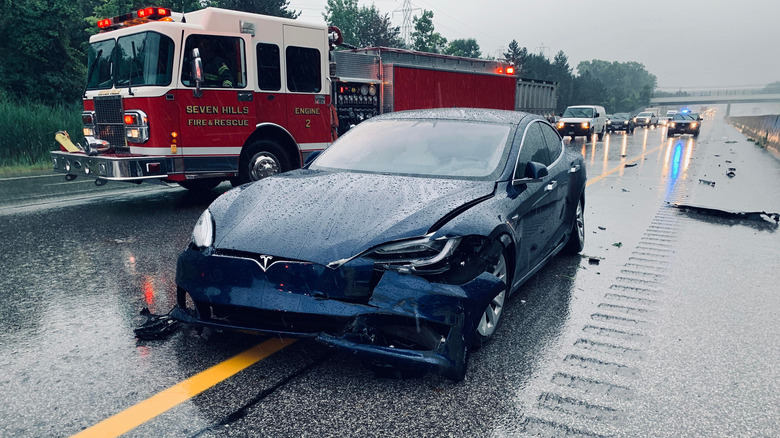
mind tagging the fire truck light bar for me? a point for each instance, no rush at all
(138, 17)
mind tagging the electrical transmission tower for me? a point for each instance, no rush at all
(406, 27)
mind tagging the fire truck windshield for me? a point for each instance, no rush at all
(140, 59)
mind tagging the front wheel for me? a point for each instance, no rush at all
(577, 236)
(200, 185)
(601, 134)
(262, 159)
(492, 314)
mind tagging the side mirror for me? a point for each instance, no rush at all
(312, 156)
(534, 172)
(598, 115)
(196, 68)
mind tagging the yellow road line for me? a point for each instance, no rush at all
(622, 165)
(144, 411)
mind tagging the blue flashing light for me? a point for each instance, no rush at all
(686, 111)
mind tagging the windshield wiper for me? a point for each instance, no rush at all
(91, 70)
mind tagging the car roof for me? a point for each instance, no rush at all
(465, 114)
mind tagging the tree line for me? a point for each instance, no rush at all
(45, 42)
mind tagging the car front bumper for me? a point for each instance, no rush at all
(404, 320)
(573, 129)
(112, 167)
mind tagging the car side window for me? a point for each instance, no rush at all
(533, 148)
(553, 141)
(269, 76)
(223, 61)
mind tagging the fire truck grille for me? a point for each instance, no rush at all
(109, 115)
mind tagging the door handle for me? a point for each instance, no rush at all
(575, 168)
(549, 187)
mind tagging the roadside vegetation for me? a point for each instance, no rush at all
(28, 129)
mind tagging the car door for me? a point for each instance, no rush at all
(558, 187)
(532, 210)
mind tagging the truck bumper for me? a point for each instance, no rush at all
(112, 168)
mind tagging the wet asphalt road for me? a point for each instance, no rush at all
(672, 333)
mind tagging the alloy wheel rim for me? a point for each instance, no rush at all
(489, 320)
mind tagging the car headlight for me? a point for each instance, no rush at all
(585, 125)
(609, 122)
(694, 125)
(560, 125)
(203, 233)
(451, 260)
(673, 125)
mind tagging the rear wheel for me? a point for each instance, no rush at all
(577, 237)
(492, 314)
(262, 159)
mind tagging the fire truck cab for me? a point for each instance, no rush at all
(259, 105)
(214, 95)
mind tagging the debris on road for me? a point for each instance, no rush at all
(731, 141)
(708, 182)
(630, 164)
(156, 326)
(731, 174)
(618, 244)
(594, 260)
(762, 216)
(603, 228)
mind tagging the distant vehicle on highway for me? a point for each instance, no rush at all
(684, 123)
(583, 120)
(646, 119)
(667, 118)
(399, 243)
(620, 122)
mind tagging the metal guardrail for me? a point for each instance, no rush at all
(763, 129)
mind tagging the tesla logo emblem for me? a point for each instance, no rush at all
(265, 262)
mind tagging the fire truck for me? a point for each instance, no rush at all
(215, 94)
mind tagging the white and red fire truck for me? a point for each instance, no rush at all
(215, 94)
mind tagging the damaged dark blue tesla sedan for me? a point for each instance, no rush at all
(399, 243)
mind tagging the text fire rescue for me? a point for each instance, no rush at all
(195, 109)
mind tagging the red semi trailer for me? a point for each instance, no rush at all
(215, 94)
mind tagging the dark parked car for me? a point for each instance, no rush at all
(620, 122)
(684, 123)
(399, 243)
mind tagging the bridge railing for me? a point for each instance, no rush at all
(765, 130)
(714, 92)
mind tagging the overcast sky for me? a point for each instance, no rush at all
(685, 43)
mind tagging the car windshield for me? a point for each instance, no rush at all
(578, 112)
(689, 116)
(620, 116)
(140, 59)
(434, 148)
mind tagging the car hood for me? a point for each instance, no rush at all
(322, 217)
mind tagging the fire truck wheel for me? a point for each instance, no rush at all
(262, 159)
(200, 185)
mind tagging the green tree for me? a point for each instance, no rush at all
(463, 47)
(516, 55)
(362, 26)
(626, 83)
(375, 30)
(588, 90)
(424, 37)
(41, 48)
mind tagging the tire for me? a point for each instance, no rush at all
(669, 133)
(601, 134)
(572, 138)
(695, 134)
(261, 159)
(495, 309)
(200, 185)
(577, 236)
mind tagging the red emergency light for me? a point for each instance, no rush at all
(153, 13)
(138, 17)
(510, 70)
(104, 23)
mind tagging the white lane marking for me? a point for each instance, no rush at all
(15, 178)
